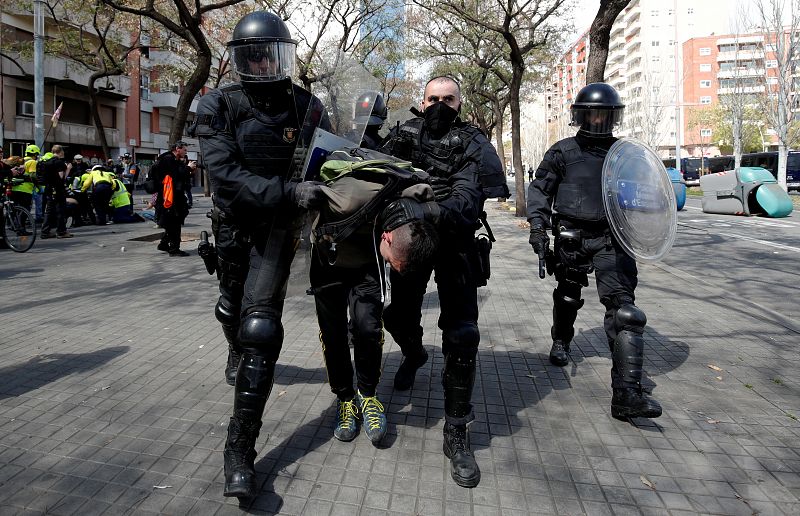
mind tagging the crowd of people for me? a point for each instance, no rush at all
(425, 227)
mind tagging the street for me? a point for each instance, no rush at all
(112, 398)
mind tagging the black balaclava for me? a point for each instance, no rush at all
(439, 117)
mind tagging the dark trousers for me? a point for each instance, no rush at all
(171, 223)
(55, 211)
(101, 195)
(233, 258)
(358, 291)
(22, 199)
(616, 277)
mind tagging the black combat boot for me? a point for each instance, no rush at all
(632, 402)
(463, 467)
(234, 357)
(240, 454)
(629, 400)
(407, 372)
(254, 380)
(559, 353)
(458, 379)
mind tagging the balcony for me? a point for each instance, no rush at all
(58, 69)
(746, 89)
(742, 55)
(734, 74)
(169, 99)
(66, 133)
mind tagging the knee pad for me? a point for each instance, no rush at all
(462, 340)
(226, 314)
(261, 334)
(561, 298)
(629, 317)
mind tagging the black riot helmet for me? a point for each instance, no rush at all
(369, 112)
(262, 49)
(597, 109)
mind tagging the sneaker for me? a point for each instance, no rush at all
(407, 372)
(559, 353)
(65, 235)
(163, 246)
(346, 420)
(178, 252)
(44, 236)
(374, 417)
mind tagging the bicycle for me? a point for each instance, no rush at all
(19, 227)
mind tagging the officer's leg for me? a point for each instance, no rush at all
(458, 297)
(367, 334)
(261, 338)
(232, 266)
(616, 275)
(402, 320)
(566, 303)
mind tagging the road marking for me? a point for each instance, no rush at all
(762, 242)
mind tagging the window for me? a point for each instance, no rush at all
(705, 84)
(772, 63)
(655, 59)
(690, 11)
(772, 80)
(654, 43)
(705, 133)
(705, 51)
(654, 12)
(705, 67)
(144, 87)
(705, 100)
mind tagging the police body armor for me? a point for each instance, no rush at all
(443, 158)
(580, 193)
(265, 131)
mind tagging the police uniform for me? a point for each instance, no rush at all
(248, 133)
(566, 196)
(466, 164)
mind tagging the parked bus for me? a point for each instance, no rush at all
(769, 161)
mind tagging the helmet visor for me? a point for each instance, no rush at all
(596, 121)
(264, 61)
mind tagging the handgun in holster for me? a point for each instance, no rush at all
(207, 252)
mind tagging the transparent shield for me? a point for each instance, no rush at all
(639, 200)
(345, 88)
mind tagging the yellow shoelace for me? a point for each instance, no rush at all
(369, 406)
(347, 412)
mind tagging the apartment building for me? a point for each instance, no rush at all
(723, 69)
(644, 64)
(136, 109)
(65, 81)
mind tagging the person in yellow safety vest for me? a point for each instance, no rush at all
(121, 203)
(102, 188)
(22, 194)
(86, 215)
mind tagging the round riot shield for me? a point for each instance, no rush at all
(639, 200)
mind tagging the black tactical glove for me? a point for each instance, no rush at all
(539, 240)
(307, 195)
(405, 210)
(298, 160)
(441, 187)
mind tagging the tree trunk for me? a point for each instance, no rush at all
(193, 86)
(783, 155)
(518, 68)
(93, 110)
(599, 37)
(498, 134)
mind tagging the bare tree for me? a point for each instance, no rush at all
(599, 37)
(646, 111)
(525, 28)
(781, 23)
(185, 19)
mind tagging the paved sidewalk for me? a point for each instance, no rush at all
(112, 397)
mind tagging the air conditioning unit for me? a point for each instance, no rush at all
(24, 108)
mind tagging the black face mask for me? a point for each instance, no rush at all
(439, 117)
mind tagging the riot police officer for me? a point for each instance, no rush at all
(248, 134)
(466, 171)
(566, 196)
(373, 118)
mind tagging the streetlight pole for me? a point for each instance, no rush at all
(678, 95)
(38, 73)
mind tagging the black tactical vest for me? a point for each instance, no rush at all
(267, 141)
(444, 157)
(580, 193)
